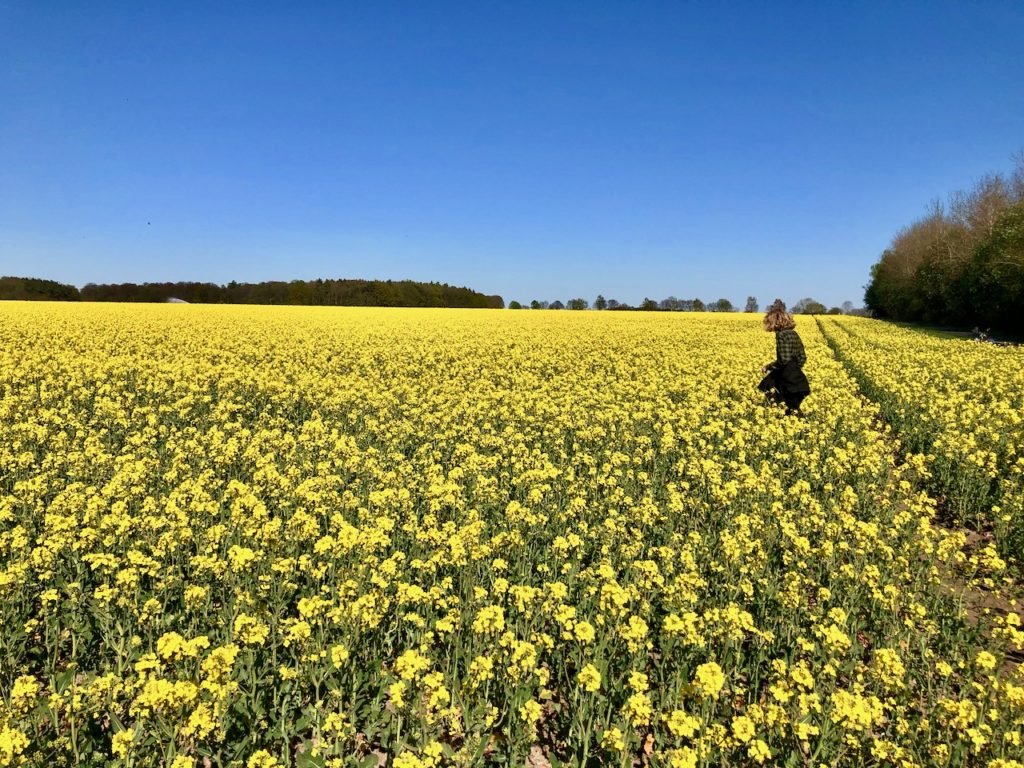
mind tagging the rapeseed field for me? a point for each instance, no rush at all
(254, 536)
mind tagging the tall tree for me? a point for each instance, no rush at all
(809, 306)
(751, 304)
(600, 302)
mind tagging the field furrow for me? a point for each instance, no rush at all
(958, 408)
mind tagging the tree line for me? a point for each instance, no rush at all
(351, 293)
(962, 263)
(806, 306)
(358, 293)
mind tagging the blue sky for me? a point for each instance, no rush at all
(536, 150)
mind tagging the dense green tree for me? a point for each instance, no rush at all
(994, 283)
(36, 289)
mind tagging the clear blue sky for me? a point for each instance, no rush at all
(537, 150)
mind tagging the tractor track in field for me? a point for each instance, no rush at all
(975, 601)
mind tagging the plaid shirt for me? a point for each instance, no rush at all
(788, 347)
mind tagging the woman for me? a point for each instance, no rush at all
(785, 380)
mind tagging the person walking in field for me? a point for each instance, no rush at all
(785, 380)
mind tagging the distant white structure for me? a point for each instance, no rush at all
(173, 300)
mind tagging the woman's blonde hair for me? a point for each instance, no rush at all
(777, 318)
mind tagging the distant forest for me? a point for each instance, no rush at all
(332, 293)
(962, 263)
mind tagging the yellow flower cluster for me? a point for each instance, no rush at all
(262, 536)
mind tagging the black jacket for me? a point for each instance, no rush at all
(789, 379)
